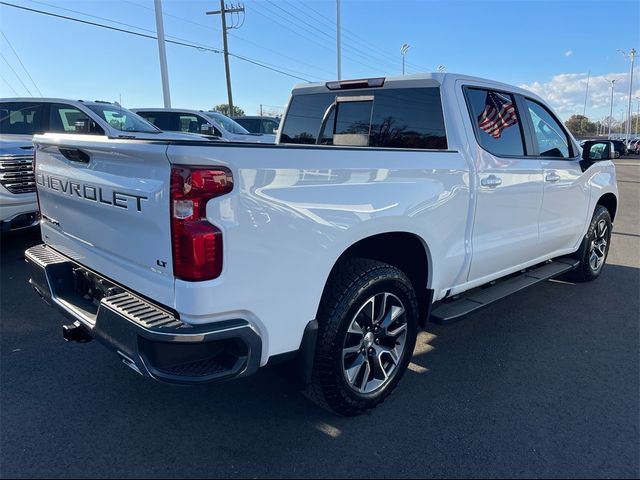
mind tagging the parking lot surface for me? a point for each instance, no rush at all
(544, 383)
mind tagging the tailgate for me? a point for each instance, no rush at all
(105, 203)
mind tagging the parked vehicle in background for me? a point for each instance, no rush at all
(214, 125)
(18, 203)
(259, 124)
(620, 147)
(29, 116)
(634, 146)
(386, 203)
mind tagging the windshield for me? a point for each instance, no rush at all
(122, 119)
(229, 125)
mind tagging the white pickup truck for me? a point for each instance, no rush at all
(385, 203)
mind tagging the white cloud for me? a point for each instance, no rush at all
(565, 93)
(568, 53)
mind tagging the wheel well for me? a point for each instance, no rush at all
(609, 201)
(403, 250)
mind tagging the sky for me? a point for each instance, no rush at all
(549, 47)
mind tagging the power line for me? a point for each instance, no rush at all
(153, 37)
(355, 38)
(208, 28)
(332, 26)
(179, 38)
(9, 85)
(288, 27)
(23, 67)
(16, 74)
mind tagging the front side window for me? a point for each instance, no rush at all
(122, 119)
(21, 118)
(551, 139)
(396, 118)
(495, 121)
(68, 119)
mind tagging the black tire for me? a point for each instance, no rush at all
(354, 288)
(586, 272)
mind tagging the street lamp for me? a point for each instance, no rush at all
(403, 50)
(612, 82)
(632, 56)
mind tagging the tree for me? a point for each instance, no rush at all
(580, 126)
(223, 108)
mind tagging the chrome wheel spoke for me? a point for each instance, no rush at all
(374, 343)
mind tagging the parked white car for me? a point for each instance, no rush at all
(387, 202)
(213, 124)
(21, 118)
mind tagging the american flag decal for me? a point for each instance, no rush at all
(498, 114)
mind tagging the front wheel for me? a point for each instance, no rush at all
(595, 247)
(368, 322)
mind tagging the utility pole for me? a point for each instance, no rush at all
(612, 82)
(632, 56)
(338, 42)
(222, 12)
(163, 54)
(403, 51)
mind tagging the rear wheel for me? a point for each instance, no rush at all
(367, 331)
(595, 247)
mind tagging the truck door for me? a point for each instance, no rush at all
(566, 196)
(509, 185)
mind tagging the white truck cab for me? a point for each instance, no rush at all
(386, 203)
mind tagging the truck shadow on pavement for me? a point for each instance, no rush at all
(543, 383)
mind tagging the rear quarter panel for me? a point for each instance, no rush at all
(293, 211)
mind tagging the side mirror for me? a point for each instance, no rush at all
(595, 151)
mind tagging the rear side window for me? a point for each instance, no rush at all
(166, 121)
(22, 118)
(68, 119)
(551, 138)
(495, 120)
(392, 118)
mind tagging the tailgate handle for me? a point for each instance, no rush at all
(74, 154)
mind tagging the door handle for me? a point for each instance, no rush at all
(552, 177)
(491, 181)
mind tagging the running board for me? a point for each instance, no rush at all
(477, 298)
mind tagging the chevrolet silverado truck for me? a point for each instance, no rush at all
(386, 202)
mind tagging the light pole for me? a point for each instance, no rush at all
(403, 50)
(638, 115)
(632, 56)
(338, 42)
(612, 82)
(162, 53)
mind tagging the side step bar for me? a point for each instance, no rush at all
(477, 298)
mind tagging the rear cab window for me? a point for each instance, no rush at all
(385, 118)
(22, 118)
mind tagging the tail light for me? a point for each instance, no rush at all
(197, 245)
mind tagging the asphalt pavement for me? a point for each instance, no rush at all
(545, 383)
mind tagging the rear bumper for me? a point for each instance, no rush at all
(148, 338)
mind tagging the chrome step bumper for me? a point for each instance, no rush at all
(149, 338)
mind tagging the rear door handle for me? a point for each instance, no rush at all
(491, 181)
(552, 177)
